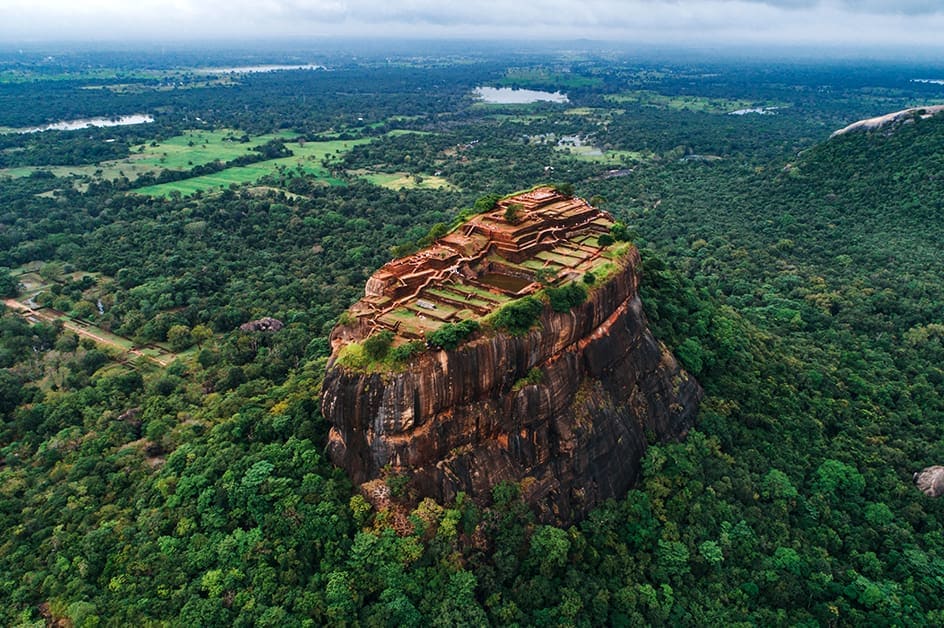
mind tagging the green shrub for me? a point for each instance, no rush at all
(397, 484)
(377, 346)
(451, 334)
(9, 285)
(621, 232)
(534, 376)
(409, 247)
(486, 203)
(567, 189)
(406, 351)
(352, 356)
(565, 298)
(518, 316)
(513, 213)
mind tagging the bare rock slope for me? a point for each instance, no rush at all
(891, 119)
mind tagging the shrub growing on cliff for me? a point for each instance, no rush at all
(406, 351)
(567, 189)
(518, 316)
(621, 232)
(451, 334)
(567, 297)
(378, 345)
(534, 376)
(486, 203)
(409, 247)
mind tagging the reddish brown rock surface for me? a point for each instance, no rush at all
(456, 420)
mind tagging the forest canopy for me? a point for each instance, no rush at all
(161, 464)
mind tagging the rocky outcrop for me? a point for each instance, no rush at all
(930, 481)
(891, 119)
(266, 323)
(467, 419)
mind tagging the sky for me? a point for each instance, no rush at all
(899, 23)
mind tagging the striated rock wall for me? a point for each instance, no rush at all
(452, 420)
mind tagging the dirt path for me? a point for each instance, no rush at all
(82, 331)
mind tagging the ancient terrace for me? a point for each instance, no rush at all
(493, 258)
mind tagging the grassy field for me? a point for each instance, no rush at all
(400, 180)
(612, 157)
(678, 103)
(398, 132)
(181, 152)
(307, 157)
(196, 148)
(33, 282)
(199, 147)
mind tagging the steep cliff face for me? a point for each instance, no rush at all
(464, 420)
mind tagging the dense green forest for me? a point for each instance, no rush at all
(173, 471)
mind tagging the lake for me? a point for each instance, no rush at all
(84, 123)
(763, 111)
(509, 96)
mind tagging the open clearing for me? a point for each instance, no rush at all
(612, 157)
(401, 180)
(679, 103)
(196, 148)
(181, 152)
(307, 157)
(200, 147)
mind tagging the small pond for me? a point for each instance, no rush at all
(505, 282)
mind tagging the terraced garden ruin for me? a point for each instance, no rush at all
(526, 242)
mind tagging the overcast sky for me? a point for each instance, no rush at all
(918, 23)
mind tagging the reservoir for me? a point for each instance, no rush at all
(84, 123)
(509, 96)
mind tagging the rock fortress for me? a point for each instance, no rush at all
(563, 407)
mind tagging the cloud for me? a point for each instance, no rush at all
(907, 7)
(667, 22)
(880, 7)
